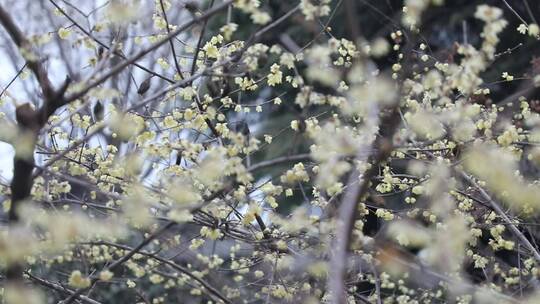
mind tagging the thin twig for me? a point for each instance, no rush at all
(514, 11)
(528, 7)
(175, 60)
(13, 79)
(59, 288)
(173, 265)
(500, 212)
(116, 264)
(199, 43)
(119, 67)
(104, 45)
(278, 160)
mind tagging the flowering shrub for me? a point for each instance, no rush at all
(206, 152)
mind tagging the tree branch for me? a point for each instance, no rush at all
(347, 213)
(279, 160)
(33, 63)
(30, 122)
(175, 60)
(500, 212)
(116, 264)
(173, 265)
(104, 45)
(59, 288)
(119, 67)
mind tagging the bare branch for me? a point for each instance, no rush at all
(278, 160)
